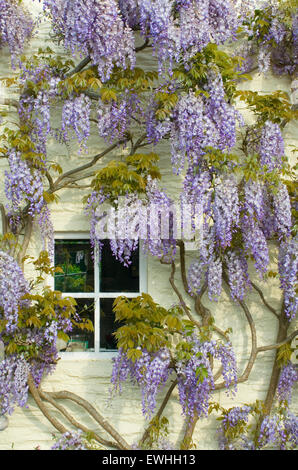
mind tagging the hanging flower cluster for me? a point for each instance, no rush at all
(14, 372)
(277, 431)
(16, 27)
(28, 332)
(225, 209)
(180, 29)
(278, 47)
(237, 269)
(75, 116)
(114, 118)
(24, 186)
(200, 122)
(287, 379)
(192, 130)
(271, 28)
(13, 287)
(271, 146)
(195, 379)
(288, 269)
(94, 28)
(150, 372)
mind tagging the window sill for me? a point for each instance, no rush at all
(73, 356)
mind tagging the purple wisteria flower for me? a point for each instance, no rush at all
(192, 130)
(196, 276)
(254, 199)
(214, 278)
(282, 211)
(225, 209)
(237, 269)
(255, 243)
(288, 268)
(75, 116)
(150, 372)
(14, 372)
(95, 29)
(24, 186)
(271, 146)
(70, 440)
(287, 379)
(180, 29)
(272, 432)
(115, 117)
(13, 287)
(195, 377)
(16, 27)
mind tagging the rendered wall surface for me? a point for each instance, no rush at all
(90, 378)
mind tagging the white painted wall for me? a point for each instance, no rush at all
(90, 378)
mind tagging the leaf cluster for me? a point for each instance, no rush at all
(211, 57)
(130, 176)
(157, 429)
(275, 107)
(146, 325)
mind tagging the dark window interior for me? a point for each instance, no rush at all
(107, 324)
(114, 276)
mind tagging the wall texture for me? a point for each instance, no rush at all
(90, 378)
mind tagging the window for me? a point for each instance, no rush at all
(95, 283)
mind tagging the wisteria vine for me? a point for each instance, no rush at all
(233, 181)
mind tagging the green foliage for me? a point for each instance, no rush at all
(211, 57)
(135, 80)
(157, 429)
(21, 141)
(284, 354)
(147, 325)
(275, 106)
(120, 178)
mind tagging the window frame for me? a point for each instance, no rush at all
(97, 295)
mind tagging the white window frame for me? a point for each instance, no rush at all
(97, 295)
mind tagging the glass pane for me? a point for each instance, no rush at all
(74, 258)
(114, 276)
(107, 324)
(82, 340)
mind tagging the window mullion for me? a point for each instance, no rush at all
(97, 324)
(96, 304)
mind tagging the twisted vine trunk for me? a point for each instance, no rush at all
(281, 336)
(274, 379)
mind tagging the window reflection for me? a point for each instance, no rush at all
(82, 340)
(73, 257)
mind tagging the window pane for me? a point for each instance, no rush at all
(114, 276)
(74, 258)
(82, 340)
(107, 324)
